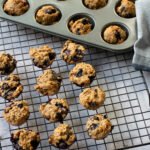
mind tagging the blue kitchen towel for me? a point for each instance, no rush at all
(141, 58)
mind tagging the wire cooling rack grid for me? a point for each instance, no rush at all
(125, 89)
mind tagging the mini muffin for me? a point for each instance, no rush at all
(48, 83)
(98, 127)
(54, 110)
(72, 52)
(48, 15)
(82, 74)
(95, 4)
(126, 8)
(43, 56)
(17, 113)
(80, 26)
(16, 7)
(10, 87)
(24, 139)
(62, 137)
(7, 64)
(114, 34)
(92, 98)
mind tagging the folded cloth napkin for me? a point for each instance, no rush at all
(141, 58)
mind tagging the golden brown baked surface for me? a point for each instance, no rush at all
(92, 98)
(62, 137)
(48, 15)
(17, 112)
(16, 7)
(48, 83)
(98, 127)
(114, 34)
(72, 52)
(24, 139)
(82, 74)
(10, 87)
(54, 110)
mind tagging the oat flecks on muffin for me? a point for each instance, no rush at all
(16, 7)
(63, 137)
(72, 52)
(10, 87)
(95, 4)
(82, 74)
(54, 110)
(80, 26)
(115, 34)
(17, 112)
(24, 139)
(126, 8)
(43, 56)
(48, 15)
(92, 98)
(7, 64)
(48, 83)
(98, 127)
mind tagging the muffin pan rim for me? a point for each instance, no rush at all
(92, 38)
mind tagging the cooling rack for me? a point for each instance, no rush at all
(126, 93)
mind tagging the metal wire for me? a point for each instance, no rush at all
(122, 84)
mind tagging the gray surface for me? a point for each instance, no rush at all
(102, 17)
(127, 96)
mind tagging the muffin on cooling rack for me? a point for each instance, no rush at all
(126, 8)
(48, 15)
(114, 34)
(62, 137)
(43, 56)
(92, 98)
(72, 52)
(82, 74)
(16, 7)
(10, 87)
(98, 127)
(17, 112)
(48, 83)
(54, 110)
(7, 64)
(24, 139)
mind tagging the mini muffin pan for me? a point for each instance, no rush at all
(100, 18)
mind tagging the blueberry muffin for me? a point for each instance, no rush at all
(126, 8)
(43, 56)
(16, 7)
(48, 83)
(24, 139)
(54, 110)
(10, 87)
(7, 64)
(80, 26)
(17, 113)
(72, 52)
(114, 34)
(82, 74)
(92, 98)
(62, 137)
(98, 127)
(95, 4)
(48, 15)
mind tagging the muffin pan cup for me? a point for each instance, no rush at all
(69, 8)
